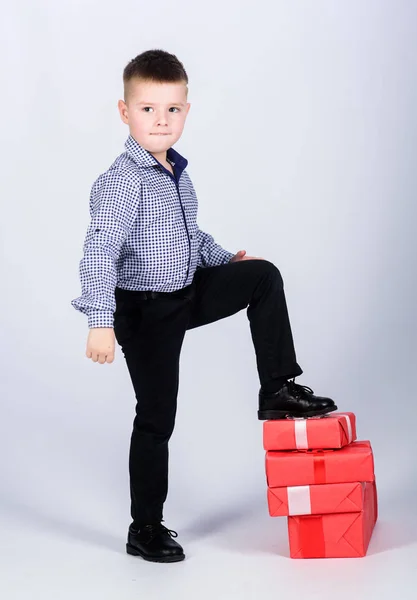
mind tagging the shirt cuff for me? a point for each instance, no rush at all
(228, 256)
(100, 318)
(218, 256)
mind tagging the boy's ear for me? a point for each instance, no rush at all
(121, 105)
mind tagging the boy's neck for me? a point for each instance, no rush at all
(160, 157)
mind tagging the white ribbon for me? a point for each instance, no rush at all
(299, 501)
(349, 427)
(300, 427)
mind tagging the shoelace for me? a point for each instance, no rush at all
(299, 391)
(158, 528)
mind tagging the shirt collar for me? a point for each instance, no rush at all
(144, 158)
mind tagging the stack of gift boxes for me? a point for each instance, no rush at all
(323, 481)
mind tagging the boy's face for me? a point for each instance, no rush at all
(155, 108)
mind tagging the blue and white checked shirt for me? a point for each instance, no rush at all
(143, 233)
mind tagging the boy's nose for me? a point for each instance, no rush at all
(161, 117)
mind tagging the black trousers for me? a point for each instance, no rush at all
(150, 331)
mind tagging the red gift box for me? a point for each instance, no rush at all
(350, 464)
(343, 535)
(332, 431)
(315, 499)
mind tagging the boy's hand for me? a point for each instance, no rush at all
(100, 344)
(241, 256)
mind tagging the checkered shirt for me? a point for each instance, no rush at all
(143, 232)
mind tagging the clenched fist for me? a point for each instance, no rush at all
(100, 344)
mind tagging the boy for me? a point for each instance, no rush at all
(149, 274)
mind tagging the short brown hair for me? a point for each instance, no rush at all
(154, 65)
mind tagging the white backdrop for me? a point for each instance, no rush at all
(301, 146)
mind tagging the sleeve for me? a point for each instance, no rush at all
(210, 254)
(113, 210)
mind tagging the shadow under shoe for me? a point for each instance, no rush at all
(154, 542)
(293, 400)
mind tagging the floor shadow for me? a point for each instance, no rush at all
(243, 529)
(397, 520)
(391, 535)
(259, 535)
(218, 521)
(205, 525)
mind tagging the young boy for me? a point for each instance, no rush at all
(149, 274)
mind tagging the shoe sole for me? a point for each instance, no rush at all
(135, 552)
(264, 415)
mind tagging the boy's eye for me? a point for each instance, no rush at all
(174, 107)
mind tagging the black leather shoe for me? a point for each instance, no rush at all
(293, 400)
(154, 542)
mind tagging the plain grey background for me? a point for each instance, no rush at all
(301, 146)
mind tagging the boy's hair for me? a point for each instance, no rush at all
(154, 65)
